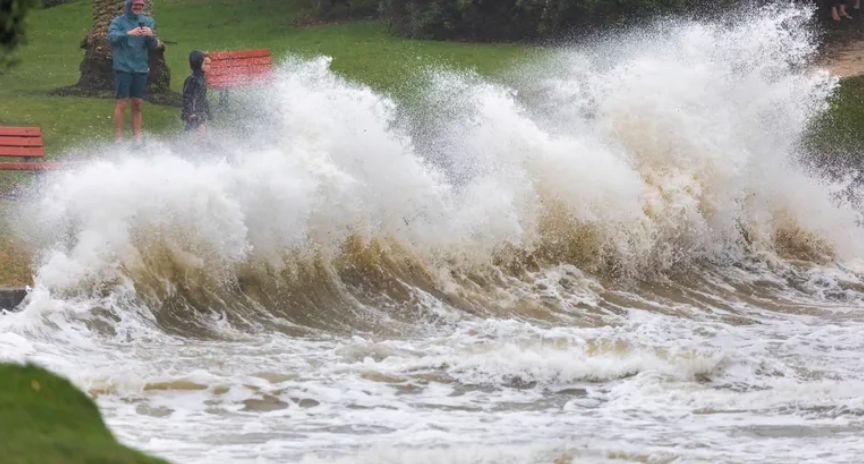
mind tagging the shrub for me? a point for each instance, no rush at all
(514, 19)
(53, 3)
(12, 13)
(343, 9)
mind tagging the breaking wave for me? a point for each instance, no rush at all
(327, 205)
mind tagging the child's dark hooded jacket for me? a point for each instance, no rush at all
(195, 91)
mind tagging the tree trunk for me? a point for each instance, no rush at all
(97, 74)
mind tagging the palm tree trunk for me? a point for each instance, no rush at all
(97, 74)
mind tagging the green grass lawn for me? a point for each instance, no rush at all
(15, 253)
(840, 131)
(46, 420)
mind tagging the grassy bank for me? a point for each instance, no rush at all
(46, 420)
(15, 255)
(15, 262)
(840, 131)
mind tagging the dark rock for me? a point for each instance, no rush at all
(11, 297)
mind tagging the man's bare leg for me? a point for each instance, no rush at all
(137, 105)
(119, 116)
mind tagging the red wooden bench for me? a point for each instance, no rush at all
(239, 68)
(23, 142)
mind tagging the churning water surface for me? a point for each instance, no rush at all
(615, 256)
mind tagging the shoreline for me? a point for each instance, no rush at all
(847, 60)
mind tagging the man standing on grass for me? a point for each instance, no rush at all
(131, 37)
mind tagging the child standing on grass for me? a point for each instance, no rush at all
(196, 107)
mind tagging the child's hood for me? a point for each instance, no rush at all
(196, 59)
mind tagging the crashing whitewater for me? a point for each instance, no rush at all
(613, 253)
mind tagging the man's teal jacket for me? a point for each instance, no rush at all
(130, 52)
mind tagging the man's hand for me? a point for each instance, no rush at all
(135, 32)
(146, 31)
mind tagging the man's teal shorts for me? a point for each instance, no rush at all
(130, 85)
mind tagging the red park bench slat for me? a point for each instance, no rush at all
(239, 77)
(256, 53)
(21, 131)
(21, 141)
(214, 64)
(249, 70)
(227, 80)
(32, 166)
(24, 142)
(21, 151)
(239, 68)
(224, 82)
(234, 84)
